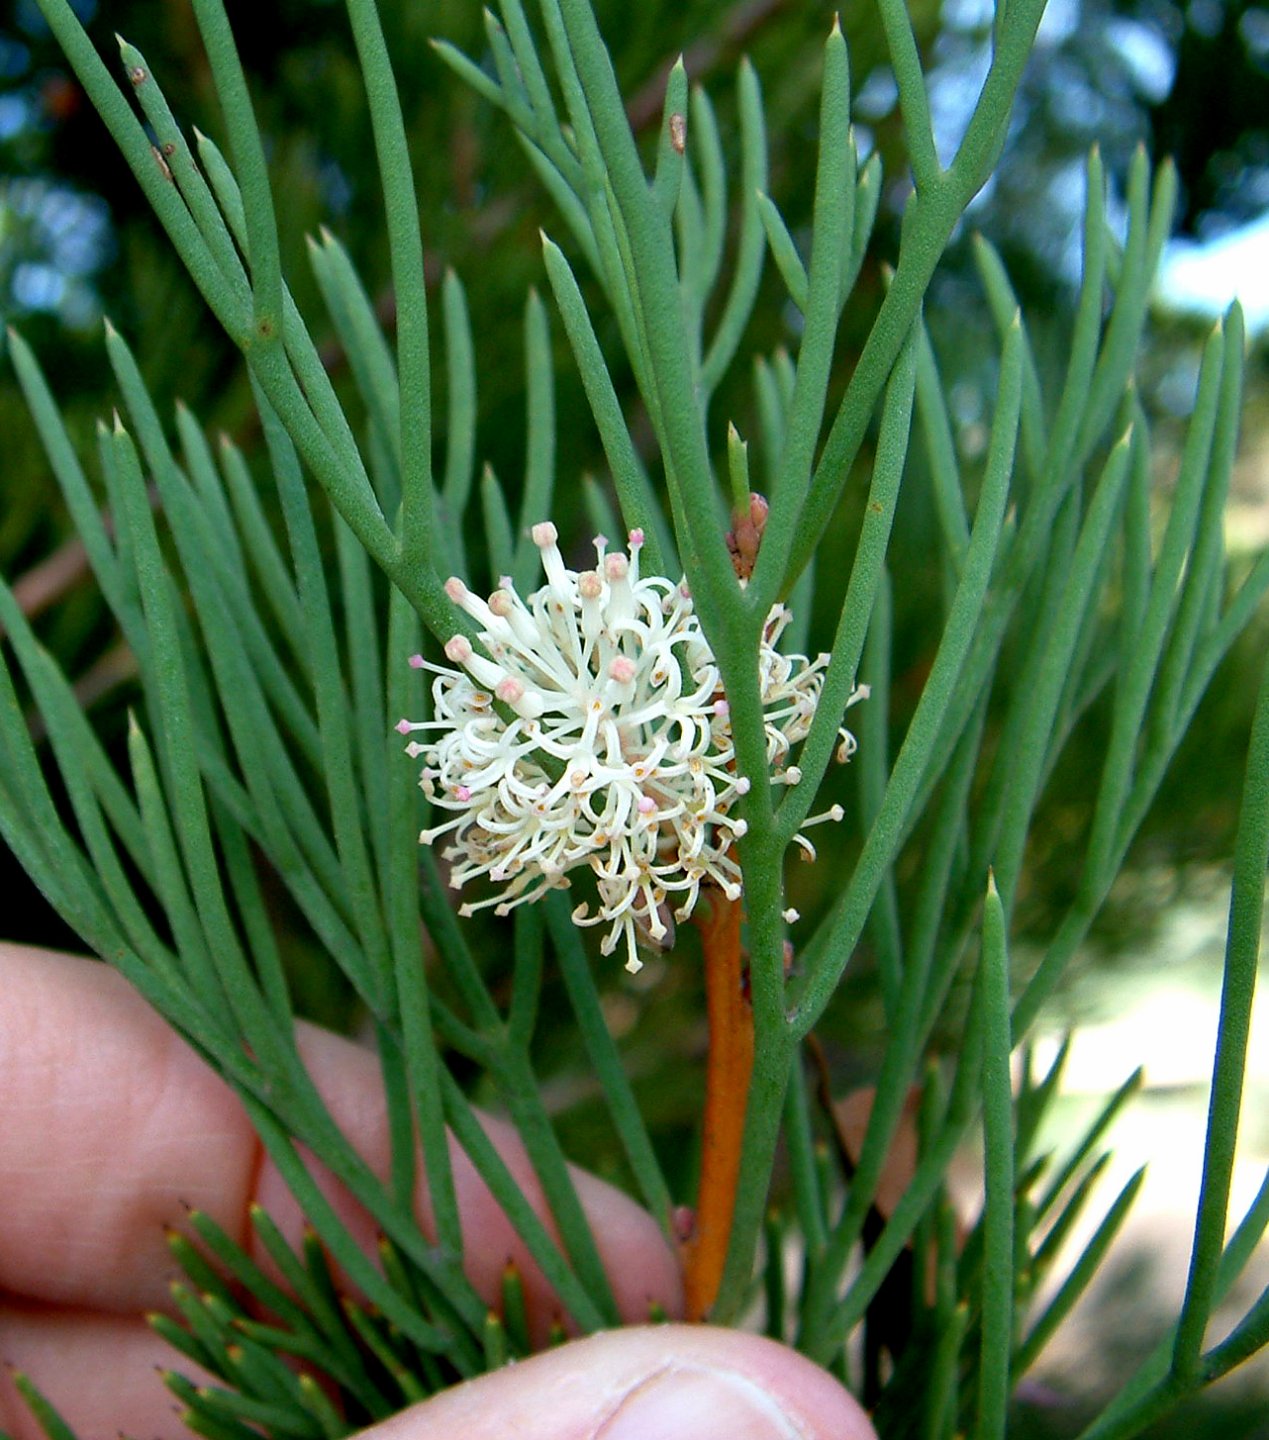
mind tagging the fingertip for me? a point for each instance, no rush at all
(646, 1275)
(674, 1382)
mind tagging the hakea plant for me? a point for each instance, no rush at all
(617, 755)
(662, 739)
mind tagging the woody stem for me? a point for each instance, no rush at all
(727, 1073)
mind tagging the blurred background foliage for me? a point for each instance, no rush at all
(77, 242)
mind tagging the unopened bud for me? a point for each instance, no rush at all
(745, 536)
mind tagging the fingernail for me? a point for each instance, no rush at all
(688, 1402)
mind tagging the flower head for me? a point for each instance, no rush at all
(594, 733)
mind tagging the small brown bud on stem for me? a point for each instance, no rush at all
(745, 536)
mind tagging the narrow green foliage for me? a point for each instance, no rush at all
(539, 466)
(514, 1317)
(45, 1413)
(1081, 1273)
(998, 1171)
(460, 446)
(1242, 952)
(499, 535)
(775, 1298)
(284, 597)
(784, 252)
(406, 247)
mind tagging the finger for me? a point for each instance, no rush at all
(113, 1125)
(670, 1382)
(664, 1382)
(639, 1263)
(110, 1123)
(99, 1371)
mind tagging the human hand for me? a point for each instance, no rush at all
(112, 1125)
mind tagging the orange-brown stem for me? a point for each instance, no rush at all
(727, 1072)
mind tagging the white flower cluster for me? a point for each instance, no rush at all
(611, 748)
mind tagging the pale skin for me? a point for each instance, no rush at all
(112, 1127)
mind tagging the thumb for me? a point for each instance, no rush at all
(663, 1382)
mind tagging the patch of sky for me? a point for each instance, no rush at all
(1174, 390)
(1059, 22)
(965, 400)
(73, 229)
(967, 14)
(1204, 278)
(1150, 60)
(336, 188)
(962, 58)
(15, 115)
(982, 199)
(27, 16)
(53, 241)
(1253, 30)
(1065, 95)
(1066, 199)
(1078, 108)
(14, 58)
(1249, 183)
(37, 286)
(1205, 17)
(953, 88)
(878, 95)
(794, 320)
